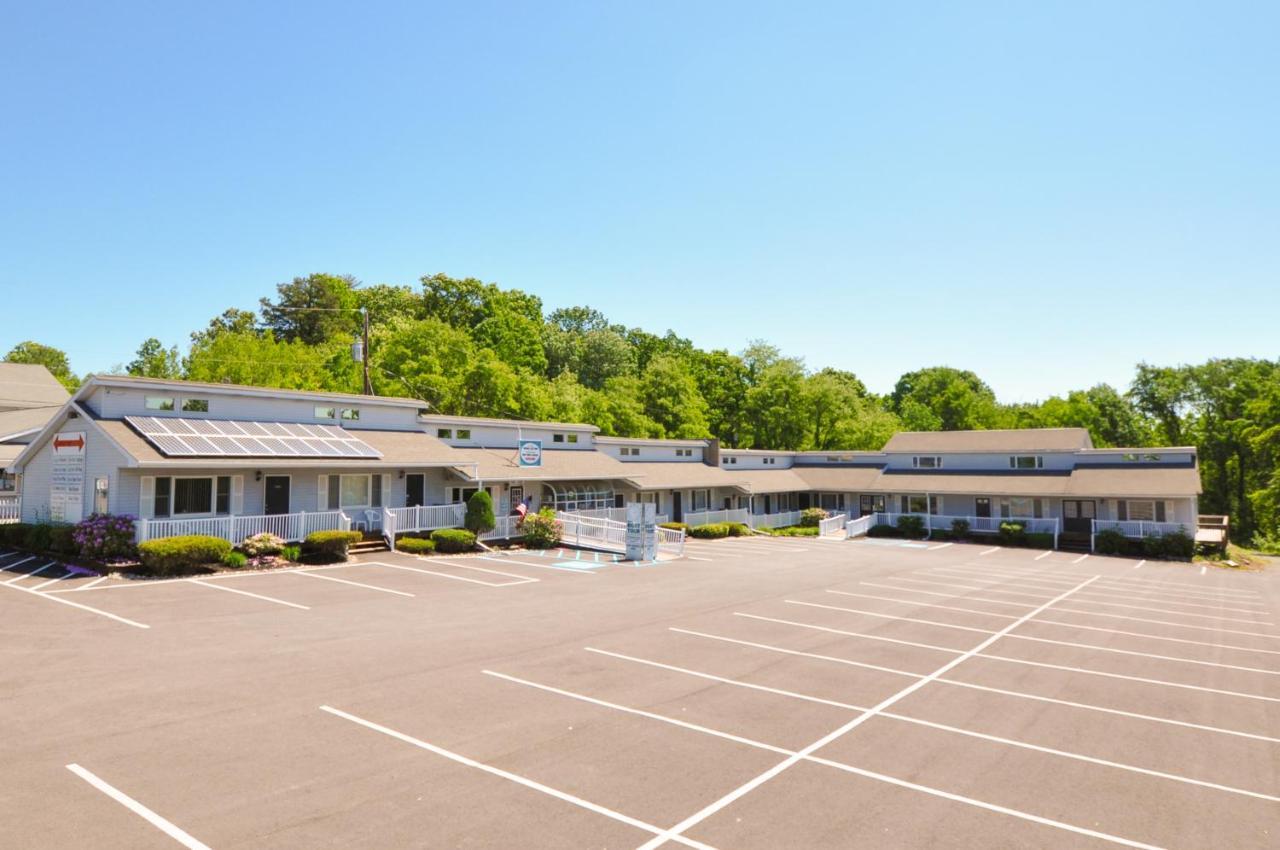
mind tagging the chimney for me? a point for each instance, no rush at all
(711, 454)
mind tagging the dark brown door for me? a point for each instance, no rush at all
(982, 507)
(276, 498)
(1077, 515)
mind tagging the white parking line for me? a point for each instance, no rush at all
(940, 546)
(1064, 642)
(522, 580)
(1139, 564)
(710, 809)
(137, 808)
(989, 551)
(54, 580)
(97, 580)
(307, 574)
(525, 579)
(512, 777)
(247, 593)
(1081, 558)
(904, 718)
(21, 576)
(1043, 555)
(1172, 587)
(1084, 706)
(1203, 569)
(1010, 659)
(578, 570)
(60, 601)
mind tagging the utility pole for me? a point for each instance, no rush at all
(368, 387)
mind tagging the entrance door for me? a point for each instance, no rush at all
(982, 507)
(1077, 515)
(677, 512)
(275, 498)
(415, 490)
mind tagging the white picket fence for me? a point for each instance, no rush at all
(592, 532)
(778, 520)
(670, 542)
(1140, 528)
(425, 517)
(989, 525)
(831, 524)
(234, 529)
(741, 515)
(10, 509)
(858, 527)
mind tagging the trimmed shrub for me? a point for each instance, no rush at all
(291, 553)
(479, 518)
(541, 530)
(1013, 534)
(39, 537)
(235, 560)
(710, 531)
(1039, 540)
(812, 516)
(884, 530)
(959, 528)
(62, 540)
(168, 555)
(1110, 541)
(262, 544)
(453, 540)
(329, 545)
(105, 536)
(1175, 545)
(415, 545)
(739, 529)
(678, 526)
(793, 531)
(912, 526)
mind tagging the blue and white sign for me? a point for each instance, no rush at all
(529, 453)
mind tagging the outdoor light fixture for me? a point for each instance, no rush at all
(257, 476)
(402, 473)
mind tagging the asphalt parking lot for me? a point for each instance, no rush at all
(760, 693)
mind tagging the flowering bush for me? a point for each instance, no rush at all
(105, 536)
(541, 530)
(262, 544)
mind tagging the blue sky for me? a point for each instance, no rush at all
(1045, 193)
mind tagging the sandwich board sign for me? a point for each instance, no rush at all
(66, 491)
(642, 533)
(529, 453)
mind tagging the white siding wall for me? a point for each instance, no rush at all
(116, 402)
(506, 436)
(993, 461)
(102, 460)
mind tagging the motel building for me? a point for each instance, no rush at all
(233, 461)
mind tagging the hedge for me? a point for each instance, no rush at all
(479, 518)
(710, 531)
(884, 530)
(415, 545)
(329, 545)
(912, 526)
(235, 560)
(453, 540)
(168, 555)
(678, 526)
(739, 529)
(793, 531)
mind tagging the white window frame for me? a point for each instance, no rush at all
(934, 462)
(693, 500)
(342, 493)
(572, 438)
(200, 401)
(1006, 506)
(1037, 461)
(462, 434)
(351, 414)
(323, 412)
(444, 433)
(213, 496)
(165, 404)
(1128, 509)
(557, 438)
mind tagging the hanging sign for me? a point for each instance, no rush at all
(529, 452)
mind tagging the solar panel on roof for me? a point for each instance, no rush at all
(180, 437)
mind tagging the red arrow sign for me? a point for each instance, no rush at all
(78, 442)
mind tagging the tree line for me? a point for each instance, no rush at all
(473, 348)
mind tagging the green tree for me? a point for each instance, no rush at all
(427, 356)
(479, 518)
(672, 400)
(232, 320)
(262, 360)
(153, 360)
(313, 309)
(53, 359)
(956, 397)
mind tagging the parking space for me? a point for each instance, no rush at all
(761, 693)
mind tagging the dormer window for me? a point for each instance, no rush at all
(157, 402)
(195, 405)
(926, 462)
(464, 434)
(1026, 462)
(629, 451)
(326, 412)
(444, 433)
(351, 414)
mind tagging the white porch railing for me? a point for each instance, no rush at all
(981, 524)
(1140, 528)
(858, 527)
(10, 509)
(778, 520)
(504, 528)
(427, 517)
(592, 532)
(831, 525)
(234, 529)
(615, 514)
(670, 541)
(741, 515)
